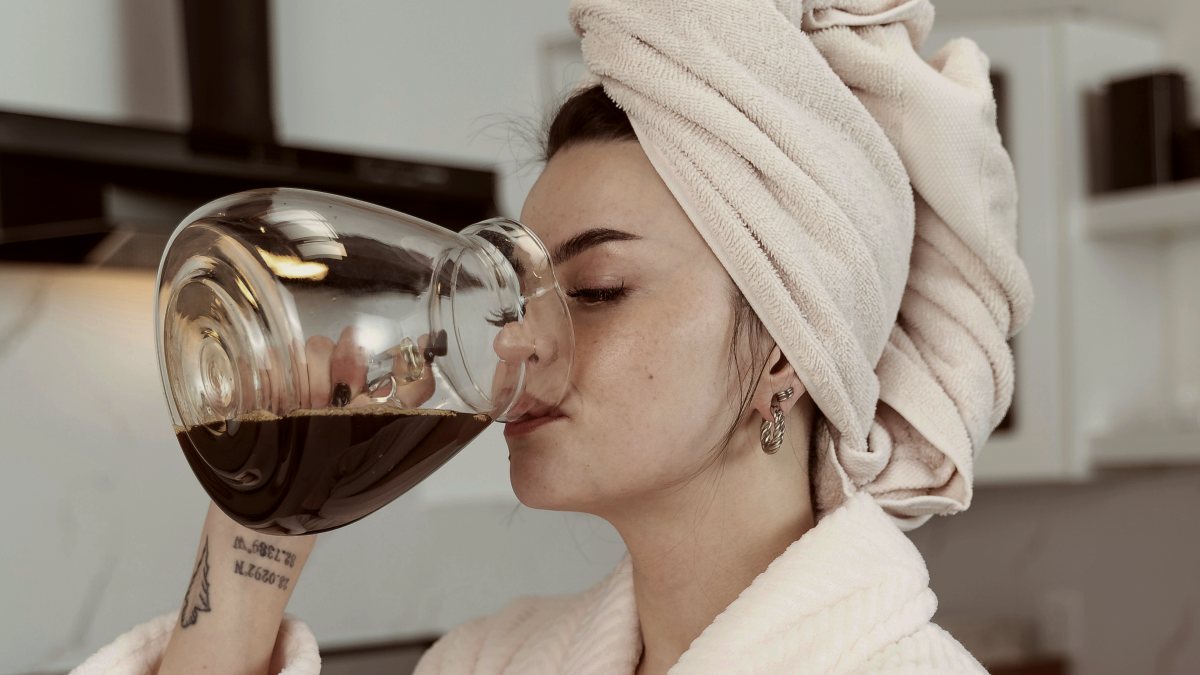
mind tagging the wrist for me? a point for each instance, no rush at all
(239, 586)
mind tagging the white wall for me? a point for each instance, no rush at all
(100, 59)
(1179, 19)
(1182, 46)
(438, 80)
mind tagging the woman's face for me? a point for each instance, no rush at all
(652, 386)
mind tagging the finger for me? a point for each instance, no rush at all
(348, 364)
(413, 394)
(361, 400)
(318, 352)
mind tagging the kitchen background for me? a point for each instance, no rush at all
(1079, 554)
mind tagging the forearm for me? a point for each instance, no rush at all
(236, 595)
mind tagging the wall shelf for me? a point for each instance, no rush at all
(1168, 209)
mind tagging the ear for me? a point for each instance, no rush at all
(777, 376)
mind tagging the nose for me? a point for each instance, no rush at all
(515, 344)
(529, 340)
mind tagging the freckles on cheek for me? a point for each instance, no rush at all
(644, 354)
(694, 353)
(612, 366)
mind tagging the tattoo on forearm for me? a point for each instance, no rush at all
(265, 550)
(196, 600)
(259, 572)
(249, 569)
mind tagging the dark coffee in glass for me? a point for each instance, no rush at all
(321, 355)
(314, 470)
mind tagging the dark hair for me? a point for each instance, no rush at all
(591, 116)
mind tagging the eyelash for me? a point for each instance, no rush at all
(599, 295)
(501, 320)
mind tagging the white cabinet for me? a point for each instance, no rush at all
(1096, 354)
(1162, 223)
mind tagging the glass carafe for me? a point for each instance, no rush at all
(322, 355)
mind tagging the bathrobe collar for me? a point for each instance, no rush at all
(847, 588)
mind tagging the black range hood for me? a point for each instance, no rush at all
(78, 192)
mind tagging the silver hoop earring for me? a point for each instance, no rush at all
(772, 432)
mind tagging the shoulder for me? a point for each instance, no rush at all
(930, 649)
(488, 644)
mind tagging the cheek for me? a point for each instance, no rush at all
(656, 378)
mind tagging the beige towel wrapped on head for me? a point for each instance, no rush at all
(794, 135)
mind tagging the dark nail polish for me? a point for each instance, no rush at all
(437, 347)
(341, 395)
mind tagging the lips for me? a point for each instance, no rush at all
(528, 424)
(538, 413)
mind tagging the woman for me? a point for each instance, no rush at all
(784, 356)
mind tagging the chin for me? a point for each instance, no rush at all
(535, 487)
(541, 479)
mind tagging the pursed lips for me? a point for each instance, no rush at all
(539, 409)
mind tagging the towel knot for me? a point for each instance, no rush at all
(814, 15)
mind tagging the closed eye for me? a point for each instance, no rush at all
(595, 296)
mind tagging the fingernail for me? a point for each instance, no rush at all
(341, 395)
(438, 347)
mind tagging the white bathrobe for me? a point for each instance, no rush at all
(850, 596)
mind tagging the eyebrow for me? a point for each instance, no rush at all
(588, 239)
